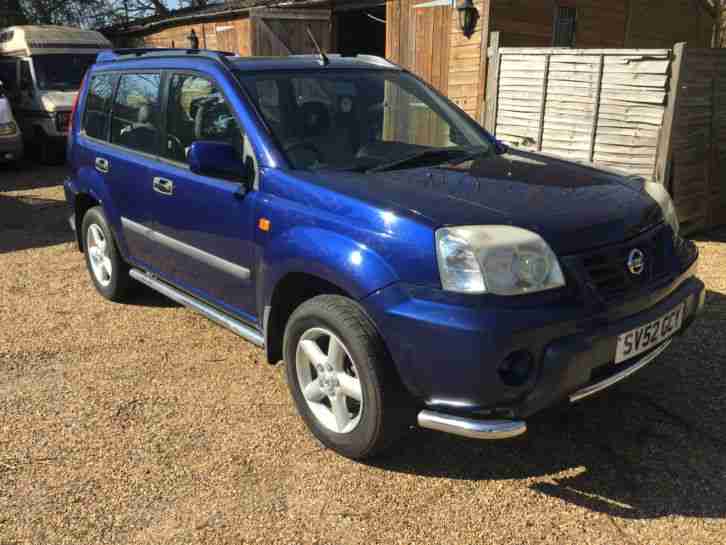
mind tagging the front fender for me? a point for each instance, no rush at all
(351, 266)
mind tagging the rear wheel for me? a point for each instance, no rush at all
(108, 271)
(341, 377)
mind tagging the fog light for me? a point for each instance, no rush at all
(516, 368)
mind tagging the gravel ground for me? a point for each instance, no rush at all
(145, 423)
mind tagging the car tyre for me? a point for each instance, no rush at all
(109, 272)
(332, 350)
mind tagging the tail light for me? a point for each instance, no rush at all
(75, 104)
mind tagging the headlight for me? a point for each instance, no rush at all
(8, 129)
(496, 259)
(659, 194)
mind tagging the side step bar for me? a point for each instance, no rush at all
(468, 427)
(236, 326)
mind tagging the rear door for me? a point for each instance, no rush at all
(282, 32)
(121, 142)
(203, 224)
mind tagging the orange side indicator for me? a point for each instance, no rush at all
(264, 224)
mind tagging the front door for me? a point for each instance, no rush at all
(203, 225)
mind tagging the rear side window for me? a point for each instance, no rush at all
(98, 102)
(135, 118)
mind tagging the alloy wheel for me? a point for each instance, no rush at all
(98, 246)
(329, 380)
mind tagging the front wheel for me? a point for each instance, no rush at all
(341, 377)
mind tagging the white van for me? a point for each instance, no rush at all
(42, 68)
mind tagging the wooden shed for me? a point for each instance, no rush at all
(425, 36)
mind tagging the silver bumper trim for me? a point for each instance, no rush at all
(468, 427)
(625, 373)
(213, 314)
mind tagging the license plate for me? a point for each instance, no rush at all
(645, 337)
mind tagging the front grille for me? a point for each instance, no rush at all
(606, 270)
(62, 121)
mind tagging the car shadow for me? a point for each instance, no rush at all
(30, 222)
(717, 234)
(144, 296)
(29, 174)
(652, 446)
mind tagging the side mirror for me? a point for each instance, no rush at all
(220, 160)
(500, 147)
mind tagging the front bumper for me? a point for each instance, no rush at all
(448, 353)
(11, 148)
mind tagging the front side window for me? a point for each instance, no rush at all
(61, 72)
(98, 102)
(135, 118)
(197, 110)
(358, 119)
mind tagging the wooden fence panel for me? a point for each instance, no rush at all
(698, 141)
(602, 106)
(660, 114)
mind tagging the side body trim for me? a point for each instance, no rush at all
(214, 261)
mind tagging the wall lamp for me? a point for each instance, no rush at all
(468, 17)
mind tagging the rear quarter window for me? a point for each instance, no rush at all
(98, 102)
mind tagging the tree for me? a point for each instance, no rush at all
(85, 13)
(11, 13)
(62, 12)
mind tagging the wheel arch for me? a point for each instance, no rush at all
(83, 203)
(292, 290)
(306, 261)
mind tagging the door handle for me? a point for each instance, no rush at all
(102, 165)
(163, 186)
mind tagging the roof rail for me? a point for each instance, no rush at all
(370, 59)
(378, 61)
(112, 55)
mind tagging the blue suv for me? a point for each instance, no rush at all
(342, 214)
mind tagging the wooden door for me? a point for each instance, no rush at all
(281, 32)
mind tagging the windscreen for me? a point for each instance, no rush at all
(63, 72)
(357, 119)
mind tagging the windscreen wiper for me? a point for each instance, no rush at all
(433, 156)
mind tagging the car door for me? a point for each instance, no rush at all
(204, 225)
(121, 144)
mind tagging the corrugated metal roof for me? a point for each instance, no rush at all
(45, 37)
